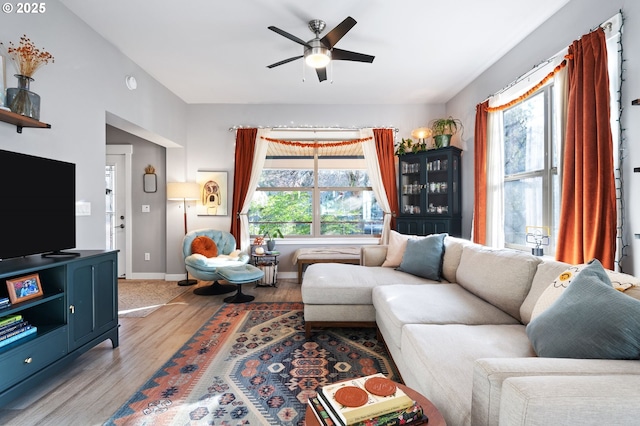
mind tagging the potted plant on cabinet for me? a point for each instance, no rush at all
(443, 129)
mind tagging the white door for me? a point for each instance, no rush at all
(116, 207)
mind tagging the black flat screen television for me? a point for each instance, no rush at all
(37, 199)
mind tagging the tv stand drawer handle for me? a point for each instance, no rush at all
(72, 309)
(29, 360)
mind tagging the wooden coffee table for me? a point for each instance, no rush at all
(430, 410)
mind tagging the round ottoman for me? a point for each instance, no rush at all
(239, 275)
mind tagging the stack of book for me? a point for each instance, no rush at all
(14, 327)
(358, 403)
(4, 302)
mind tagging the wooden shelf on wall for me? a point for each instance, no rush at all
(21, 121)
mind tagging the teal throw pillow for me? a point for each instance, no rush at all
(589, 320)
(423, 257)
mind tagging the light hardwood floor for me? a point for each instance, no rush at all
(101, 380)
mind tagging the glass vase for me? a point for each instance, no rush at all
(23, 101)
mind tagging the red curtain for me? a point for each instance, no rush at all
(588, 217)
(245, 147)
(480, 174)
(387, 161)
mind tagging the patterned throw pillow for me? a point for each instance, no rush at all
(589, 320)
(620, 282)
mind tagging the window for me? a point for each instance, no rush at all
(315, 196)
(531, 183)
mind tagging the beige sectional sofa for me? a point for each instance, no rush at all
(462, 341)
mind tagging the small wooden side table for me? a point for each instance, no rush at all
(430, 410)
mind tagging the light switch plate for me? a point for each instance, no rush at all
(146, 208)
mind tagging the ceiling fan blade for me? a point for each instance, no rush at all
(322, 74)
(284, 62)
(289, 36)
(345, 55)
(338, 32)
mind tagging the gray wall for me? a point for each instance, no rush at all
(149, 233)
(570, 23)
(79, 91)
(211, 147)
(84, 89)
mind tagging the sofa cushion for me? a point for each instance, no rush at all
(400, 304)
(451, 259)
(423, 257)
(546, 272)
(502, 277)
(205, 246)
(396, 248)
(590, 319)
(440, 360)
(620, 282)
(344, 284)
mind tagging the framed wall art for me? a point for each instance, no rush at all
(24, 288)
(214, 193)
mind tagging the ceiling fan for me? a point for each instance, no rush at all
(318, 52)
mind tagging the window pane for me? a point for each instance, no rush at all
(524, 136)
(289, 211)
(343, 178)
(522, 207)
(349, 213)
(286, 178)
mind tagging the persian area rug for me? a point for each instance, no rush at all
(138, 298)
(250, 364)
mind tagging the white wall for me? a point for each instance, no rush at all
(84, 84)
(570, 23)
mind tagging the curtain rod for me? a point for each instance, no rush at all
(311, 128)
(606, 25)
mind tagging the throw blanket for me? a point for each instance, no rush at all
(326, 253)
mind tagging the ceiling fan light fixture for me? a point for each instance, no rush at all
(317, 57)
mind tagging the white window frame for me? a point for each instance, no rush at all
(328, 162)
(547, 172)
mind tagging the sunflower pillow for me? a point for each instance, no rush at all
(620, 282)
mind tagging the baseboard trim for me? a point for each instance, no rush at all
(155, 276)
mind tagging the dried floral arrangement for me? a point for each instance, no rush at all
(26, 57)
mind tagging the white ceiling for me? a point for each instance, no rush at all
(208, 51)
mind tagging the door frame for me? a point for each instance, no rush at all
(127, 151)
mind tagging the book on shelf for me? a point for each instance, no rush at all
(22, 334)
(17, 329)
(4, 302)
(9, 319)
(373, 405)
(4, 329)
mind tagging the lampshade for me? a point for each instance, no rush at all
(183, 191)
(317, 57)
(421, 133)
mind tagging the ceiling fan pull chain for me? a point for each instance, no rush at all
(331, 71)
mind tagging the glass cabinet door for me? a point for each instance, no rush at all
(439, 186)
(411, 185)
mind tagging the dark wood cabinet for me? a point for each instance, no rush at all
(430, 196)
(77, 311)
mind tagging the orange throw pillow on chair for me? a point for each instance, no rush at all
(204, 246)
